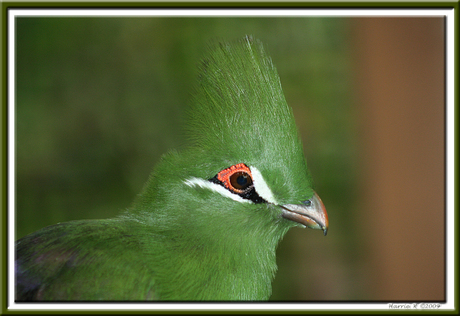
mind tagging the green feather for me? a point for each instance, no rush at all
(180, 241)
(240, 114)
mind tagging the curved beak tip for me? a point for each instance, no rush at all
(312, 216)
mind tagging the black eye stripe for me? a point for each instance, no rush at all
(249, 194)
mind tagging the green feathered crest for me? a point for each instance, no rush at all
(240, 114)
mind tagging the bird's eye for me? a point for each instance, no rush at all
(307, 202)
(240, 180)
(237, 178)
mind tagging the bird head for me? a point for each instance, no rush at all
(245, 166)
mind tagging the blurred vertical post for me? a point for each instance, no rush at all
(401, 89)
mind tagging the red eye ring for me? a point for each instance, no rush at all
(231, 177)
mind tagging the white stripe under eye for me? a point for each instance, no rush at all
(205, 184)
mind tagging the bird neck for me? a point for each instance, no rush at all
(202, 246)
(232, 268)
(211, 262)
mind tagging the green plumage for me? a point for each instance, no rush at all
(240, 113)
(183, 241)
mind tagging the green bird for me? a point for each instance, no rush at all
(208, 221)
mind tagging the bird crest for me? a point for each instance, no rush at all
(239, 115)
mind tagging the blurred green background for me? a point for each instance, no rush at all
(99, 100)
